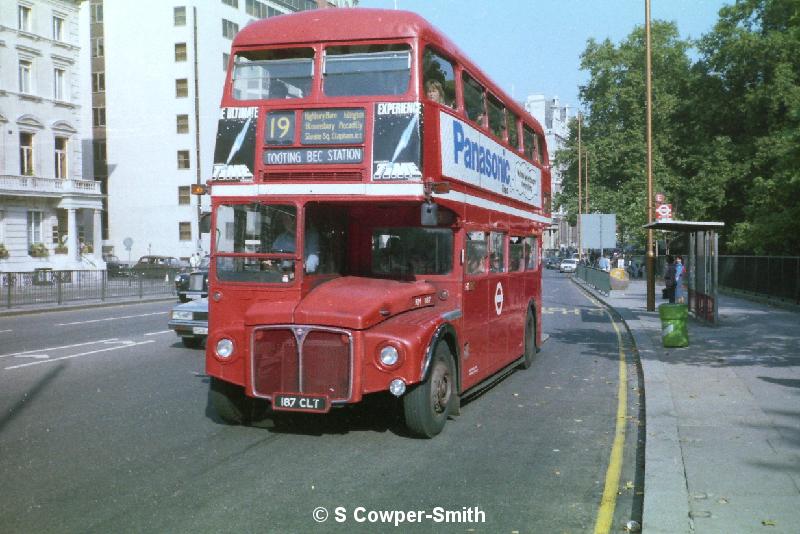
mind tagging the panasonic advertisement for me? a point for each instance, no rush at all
(471, 157)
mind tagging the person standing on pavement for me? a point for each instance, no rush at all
(669, 280)
(679, 270)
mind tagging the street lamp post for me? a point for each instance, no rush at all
(580, 193)
(650, 260)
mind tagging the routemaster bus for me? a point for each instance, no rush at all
(377, 212)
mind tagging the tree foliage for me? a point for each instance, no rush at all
(726, 127)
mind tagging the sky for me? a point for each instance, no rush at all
(534, 46)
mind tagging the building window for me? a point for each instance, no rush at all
(180, 51)
(59, 79)
(58, 28)
(181, 88)
(99, 150)
(35, 219)
(255, 8)
(24, 18)
(26, 154)
(185, 231)
(229, 29)
(225, 59)
(182, 123)
(184, 195)
(232, 3)
(99, 116)
(180, 16)
(61, 158)
(25, 76)
(97, 47)
(98, 82)
(97, 13)
(183, 159)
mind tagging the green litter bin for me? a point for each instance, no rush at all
(673, 324)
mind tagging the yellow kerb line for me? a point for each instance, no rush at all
(608, 502)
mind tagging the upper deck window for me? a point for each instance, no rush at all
(273, 74)
(366, 70)
(473, 99)
(439, 79)
(497, 121)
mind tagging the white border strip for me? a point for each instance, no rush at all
(387, 190)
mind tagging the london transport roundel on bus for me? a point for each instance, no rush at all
(498, 298)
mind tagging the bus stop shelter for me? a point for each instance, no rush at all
(702, 265)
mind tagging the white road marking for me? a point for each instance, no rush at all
(61, 347)
(4, 331)
(160, 332)
(35, 356)
(111, 318)
(127, 344)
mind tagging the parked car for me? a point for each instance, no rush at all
(115, 267)
(568, 265)
(158, 266)
(190, 322)
(193, 284)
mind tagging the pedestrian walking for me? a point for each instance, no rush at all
(680, 270)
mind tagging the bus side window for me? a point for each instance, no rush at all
(476, 253)
(497, 120)
(531, 254)
(473, 99)
(529, 139)
(513, 137)
(497, 260)
(516, 254)
(438, 78)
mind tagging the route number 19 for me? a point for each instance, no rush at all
(280, 128)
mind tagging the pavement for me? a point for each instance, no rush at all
(722, 424)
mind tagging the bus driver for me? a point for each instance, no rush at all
(285, 242)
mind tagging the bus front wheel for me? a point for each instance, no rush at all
(229, 402)
(427, 405)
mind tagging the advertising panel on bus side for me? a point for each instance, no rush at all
(472, 157)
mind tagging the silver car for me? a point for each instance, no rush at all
(190, 322)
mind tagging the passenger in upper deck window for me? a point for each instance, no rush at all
(434, 91)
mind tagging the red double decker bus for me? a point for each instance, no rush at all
(378, 205)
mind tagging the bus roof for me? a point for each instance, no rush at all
(362, 24)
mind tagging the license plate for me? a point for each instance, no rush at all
(300, 403)
(200, 330)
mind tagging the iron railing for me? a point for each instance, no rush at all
(771, 276)
(597, 278)
(61, 287)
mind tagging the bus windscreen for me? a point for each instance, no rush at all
(273, 74)
(367, 70)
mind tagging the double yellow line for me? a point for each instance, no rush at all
(608, 502)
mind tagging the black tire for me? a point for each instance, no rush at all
(428, 404)
(229, 402)
(529, 343)
(192, 342)
(183, 298)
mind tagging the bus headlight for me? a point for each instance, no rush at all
(224, 348)
(389, 356)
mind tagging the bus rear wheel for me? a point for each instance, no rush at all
(427, 406)
(229, 402)
(530, 342)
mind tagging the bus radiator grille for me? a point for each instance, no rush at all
(322, 366)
